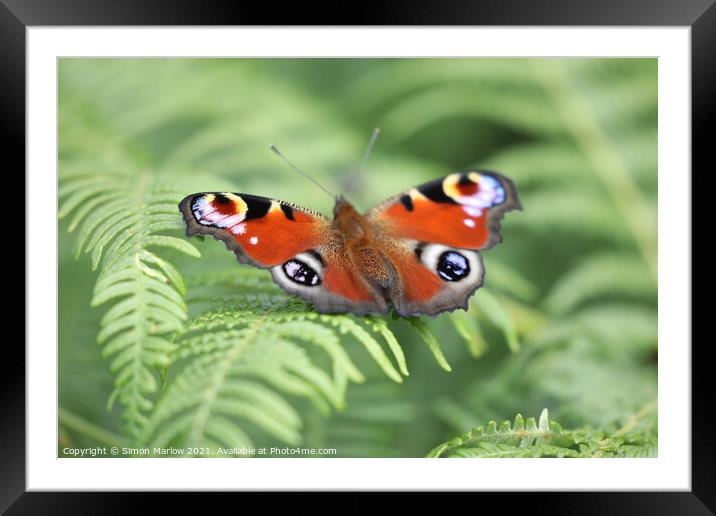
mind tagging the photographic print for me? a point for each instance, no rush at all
(364, 257)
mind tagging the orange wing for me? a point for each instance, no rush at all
(461, 210)
(261, 231)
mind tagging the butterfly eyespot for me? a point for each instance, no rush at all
(301, 273)
(453, 266)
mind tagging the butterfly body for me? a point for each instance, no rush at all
(418, 251)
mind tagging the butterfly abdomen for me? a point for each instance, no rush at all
(373, 265)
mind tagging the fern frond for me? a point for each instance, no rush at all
(521, 439)
(220, 384)
(244, 284)
(545, 438)
(262, 341)
(125, 223)
(285, 309)
(252, 331)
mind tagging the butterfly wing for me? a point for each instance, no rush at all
(460, 210)
(296, 244)
(431, 235)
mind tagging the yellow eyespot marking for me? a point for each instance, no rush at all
(450, 186)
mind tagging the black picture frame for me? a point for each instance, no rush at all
(17, 15)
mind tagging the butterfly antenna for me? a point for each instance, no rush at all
(373, 138)
(275, 149)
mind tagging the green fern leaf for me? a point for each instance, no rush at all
(243, 360)
(544, 438)
(146, 290)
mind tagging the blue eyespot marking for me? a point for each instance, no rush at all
(299, 272)
(453, 266)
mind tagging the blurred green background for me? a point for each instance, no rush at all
(567, 319)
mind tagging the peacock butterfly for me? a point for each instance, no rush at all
(418, 250)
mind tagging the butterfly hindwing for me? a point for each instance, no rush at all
(432, 278)
(326, 277)
(296, 244)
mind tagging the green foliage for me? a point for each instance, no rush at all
(200, 351)
(242, 357)
(546, 438)
(120, 220)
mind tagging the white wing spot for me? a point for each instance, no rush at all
(254, 240)
(469, 223)
(239, 229)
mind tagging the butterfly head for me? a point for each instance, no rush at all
(346, 219)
